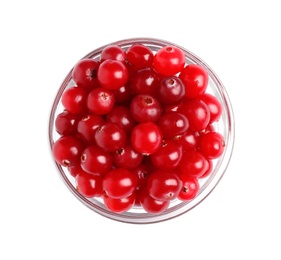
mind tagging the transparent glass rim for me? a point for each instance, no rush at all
(179, 208)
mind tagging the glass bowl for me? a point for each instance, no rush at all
(225, 126)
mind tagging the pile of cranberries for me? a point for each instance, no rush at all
(137, 128)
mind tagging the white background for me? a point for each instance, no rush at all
(42, 40)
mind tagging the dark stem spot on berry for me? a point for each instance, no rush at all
(104, 96)
(185, 189)
(120, 151)
(169, 49)
(65, 162)
(148, 100)
(83, 157)
(94, 73)
(171, 82)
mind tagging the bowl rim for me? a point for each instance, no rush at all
(214, 179)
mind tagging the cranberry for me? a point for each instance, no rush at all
(197, 113)
(173, 124)
(110, 137)
(67, 150)
(84, 73)
(214, 106)
(189, 141)
(145, 108)
(100, 101)
(119, 205)
(139, 56)
(121, 116)
(127, 157)
(144, 81)
(190, 187)
(119, 183)
(169, 60)
(95, 160)
(171, 91)
(195, 79)
(87, 127)
(66, 123)
(168, 156)
(163, 185)
(89, 185)
(74, 99)
(112, 74)
(113, 52)
(146, 137)
(212, 145)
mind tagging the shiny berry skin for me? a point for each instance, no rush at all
(84, 73)
(74, 100)
(163, 185)
(95, 160)
(212, 145)
(208, 170)
(127, 157)
(119, 183)
(119, 205)
(139, 56)
(190, 188)
(151, 205)
(142, 172)
(171, 90)
(169, 60)
(123, 94)
(189, 141)
(121, 116)
(195, 78)
(113, 52)
(112, 74)
(193, 163)
(110, 137)
(168, 155)
(67, 150)
(197, 113)
(146, 138)
(173, 124)
(66, 123)
(144, 81)
(87, 126)
(89, 185)
(214, 106)
(145, 108)
(100, 101)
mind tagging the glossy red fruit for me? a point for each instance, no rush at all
(127, 157)
(150, 204)
(110, 137)
(95, 160)
(139, 56)
(112, 74)
(67, 150)
(119, 205)
(146, 138)
(173, 124)
(212, 145)
(87, 126)
(190, 188)
(74, 100)
(89, 185)
(193, 163)
(169, 60)
(119, 183)
(145, 108)
(163, 185)
(84, 73)
(100, 101)
(214, 106)
(113, 52)
(195, 78)
(66, 123)
(168, 155)
(171, 90)
(197, 113)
